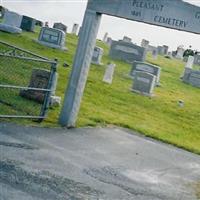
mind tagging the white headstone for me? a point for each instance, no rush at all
(108, 76)
(190, 62)
(75, 29)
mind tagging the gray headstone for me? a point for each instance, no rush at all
(39, 79)
(145, 43)
(144, 83)
(60, 26)
(28, 23)
(146, 67)
(161, 50)
(197, 59)
(39, 23)
(165, 49)
(186, 75)
(108, 76)
(97, 56)
(109, 41)
(127, 39)
(194, 78)
(155, 54)
(127, 52)
(51, 37)
(11, 22)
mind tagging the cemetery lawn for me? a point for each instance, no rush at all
(159, 117)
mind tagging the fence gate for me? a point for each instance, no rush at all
(26, 83)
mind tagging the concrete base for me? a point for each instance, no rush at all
(10, 29)
(52, 45)
(142, 93)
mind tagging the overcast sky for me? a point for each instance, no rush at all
(72, 11)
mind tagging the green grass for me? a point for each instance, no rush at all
(159, 117)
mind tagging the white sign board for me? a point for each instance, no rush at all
(175, 14)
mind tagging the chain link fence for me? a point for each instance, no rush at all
(27, 82)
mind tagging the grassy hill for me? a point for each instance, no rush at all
(159, 117)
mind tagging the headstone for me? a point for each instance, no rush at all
(188, 69)
(197, 59)
(179, 53)
(39, 79)
(105, 37)
(109, 41)
(51, 37)
(39, 23)
(28, 23)
(145, 43)
(190, 62)
(11, 22)
(161, 50)
(186, 75)
(108, 76)
(46, 24)
(194, 78)
(165, 49)
(97, 56)
(127, 39)
(144, 83)
(155, 54)
(146, 67)
(60, 26)
(75, 29)
(127, 52)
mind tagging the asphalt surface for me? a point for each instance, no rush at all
(104, 164)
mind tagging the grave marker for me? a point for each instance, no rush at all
(97, 56)
(146, 67)
(39, 79)
(144, 83)
(108, 76)
(53, 38)
(75, 29)
(11, 22)
(127, 52)
(60, 26)
(197, 59)
(28, 23)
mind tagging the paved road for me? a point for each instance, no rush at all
(60, 164)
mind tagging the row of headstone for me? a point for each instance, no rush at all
(163, 50)
(15, 23)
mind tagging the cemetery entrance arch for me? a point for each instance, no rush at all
(174, 14)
